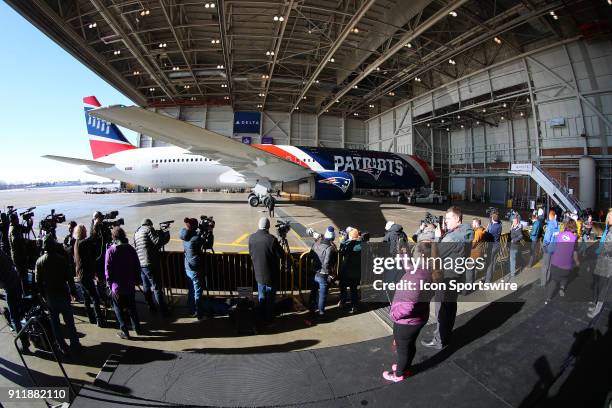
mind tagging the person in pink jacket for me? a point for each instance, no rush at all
(409, 313)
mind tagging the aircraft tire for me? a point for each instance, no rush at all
(253, 201)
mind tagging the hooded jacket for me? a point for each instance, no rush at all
(324, 260)
(393, 237)
(192, 245)
(122, 268)
(411, 307)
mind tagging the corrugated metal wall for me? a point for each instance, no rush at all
(298, 129)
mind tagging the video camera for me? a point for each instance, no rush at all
(109, 220)
(206, 227)
(282, 228)
(28, 214)
(49, 223)
(491, 211)
(165, 225)
(430, 219)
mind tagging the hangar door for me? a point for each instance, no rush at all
(458, 186)
(497, 191)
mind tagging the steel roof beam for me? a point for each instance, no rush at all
(279, 40)
(334, 47)
(125, 38)
(178, 43)
(227, 61)
(406, 38)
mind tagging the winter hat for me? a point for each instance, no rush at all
(264, 223)
(388, 225)
(329, 233)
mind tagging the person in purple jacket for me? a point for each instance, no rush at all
(409, 313)
(122, 272)
(562, 260)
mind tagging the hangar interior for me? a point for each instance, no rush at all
(471, 86)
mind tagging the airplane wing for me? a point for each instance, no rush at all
(247, 160)
(79, 162)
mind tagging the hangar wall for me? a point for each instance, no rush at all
(567, 90)
(298, 129)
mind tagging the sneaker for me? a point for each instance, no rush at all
(596, 310)
(352, 310)
(561, 292)
(394, 367)
(123, 335)
(391, 376)
(432, 344)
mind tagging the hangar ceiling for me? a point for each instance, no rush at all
(341, 57)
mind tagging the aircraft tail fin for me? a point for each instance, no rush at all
(104, 137)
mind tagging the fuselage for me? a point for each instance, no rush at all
(174, 167)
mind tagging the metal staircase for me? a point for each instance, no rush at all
(549, 184)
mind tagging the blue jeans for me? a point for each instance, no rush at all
(61, 305)
(123, 303)
(194, 296)
(15, 310)
(513, 252)
(151, 287)
(352, 284)
(319, 292)
(266, 295)
(90, 294)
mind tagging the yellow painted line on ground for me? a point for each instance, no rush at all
(240, 239)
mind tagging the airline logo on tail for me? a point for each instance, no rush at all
(104, 137)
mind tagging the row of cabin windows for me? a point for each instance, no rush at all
(181, 160)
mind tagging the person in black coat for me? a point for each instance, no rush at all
(10, 281)
(266, 254)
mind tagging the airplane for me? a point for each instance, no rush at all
(200, 158)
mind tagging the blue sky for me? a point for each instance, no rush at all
(41, 105)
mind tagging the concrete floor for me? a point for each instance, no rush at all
(235, 221)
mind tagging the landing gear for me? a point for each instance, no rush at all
(253, 200)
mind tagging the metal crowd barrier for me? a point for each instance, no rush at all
(224, 272)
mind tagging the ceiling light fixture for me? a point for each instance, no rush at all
(497, 40)
(452, 13)
(92, 25)
(145, 12)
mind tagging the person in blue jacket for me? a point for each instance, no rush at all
(534, 235)
(548, 246)
(192, 245)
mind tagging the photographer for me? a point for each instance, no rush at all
(148, 243)
(266, 254)
(454, 242)
(54, 280)
(19, 256)
(395, 236)
(9, 280)
(350, 272)
(192, 245)
(69, 241)
(493, 235)
(325, 258)
(85, 271)
(122, 270)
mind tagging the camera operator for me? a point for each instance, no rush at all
(192, 245)
(395, 236)
(148, 242)
(266, 254)
(18, 247)
(56, 286)
(122, 269)
(454, 242)
(492, 236)
(350, 272)
(69, 241)
(325, 258)
(10, 281)
(85, 270)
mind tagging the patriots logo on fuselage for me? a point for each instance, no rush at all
(372, 172)
(342, 183)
